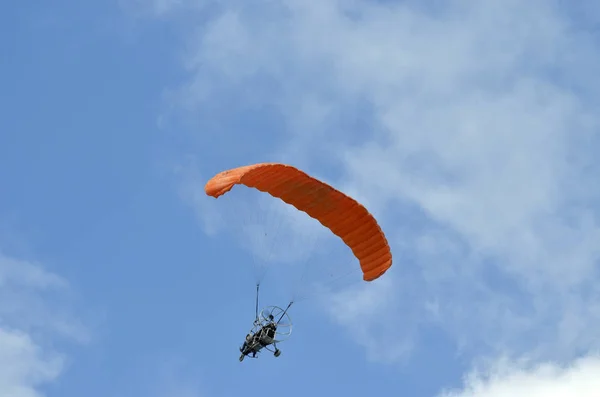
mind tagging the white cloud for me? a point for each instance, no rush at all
(469, 127)
(25, 365)
(30, 324)
(581, 379)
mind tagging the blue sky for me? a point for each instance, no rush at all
(469, 130)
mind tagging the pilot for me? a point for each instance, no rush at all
(267, 332)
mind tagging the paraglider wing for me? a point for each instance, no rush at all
(341, 214)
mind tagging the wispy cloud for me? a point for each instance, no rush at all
(470, 128)
(30, 321)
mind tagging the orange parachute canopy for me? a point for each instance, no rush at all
(341, 214)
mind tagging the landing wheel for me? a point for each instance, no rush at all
(277, 353)
(241, 358)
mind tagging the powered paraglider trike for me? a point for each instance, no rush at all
(341, 214)
(272, 325)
